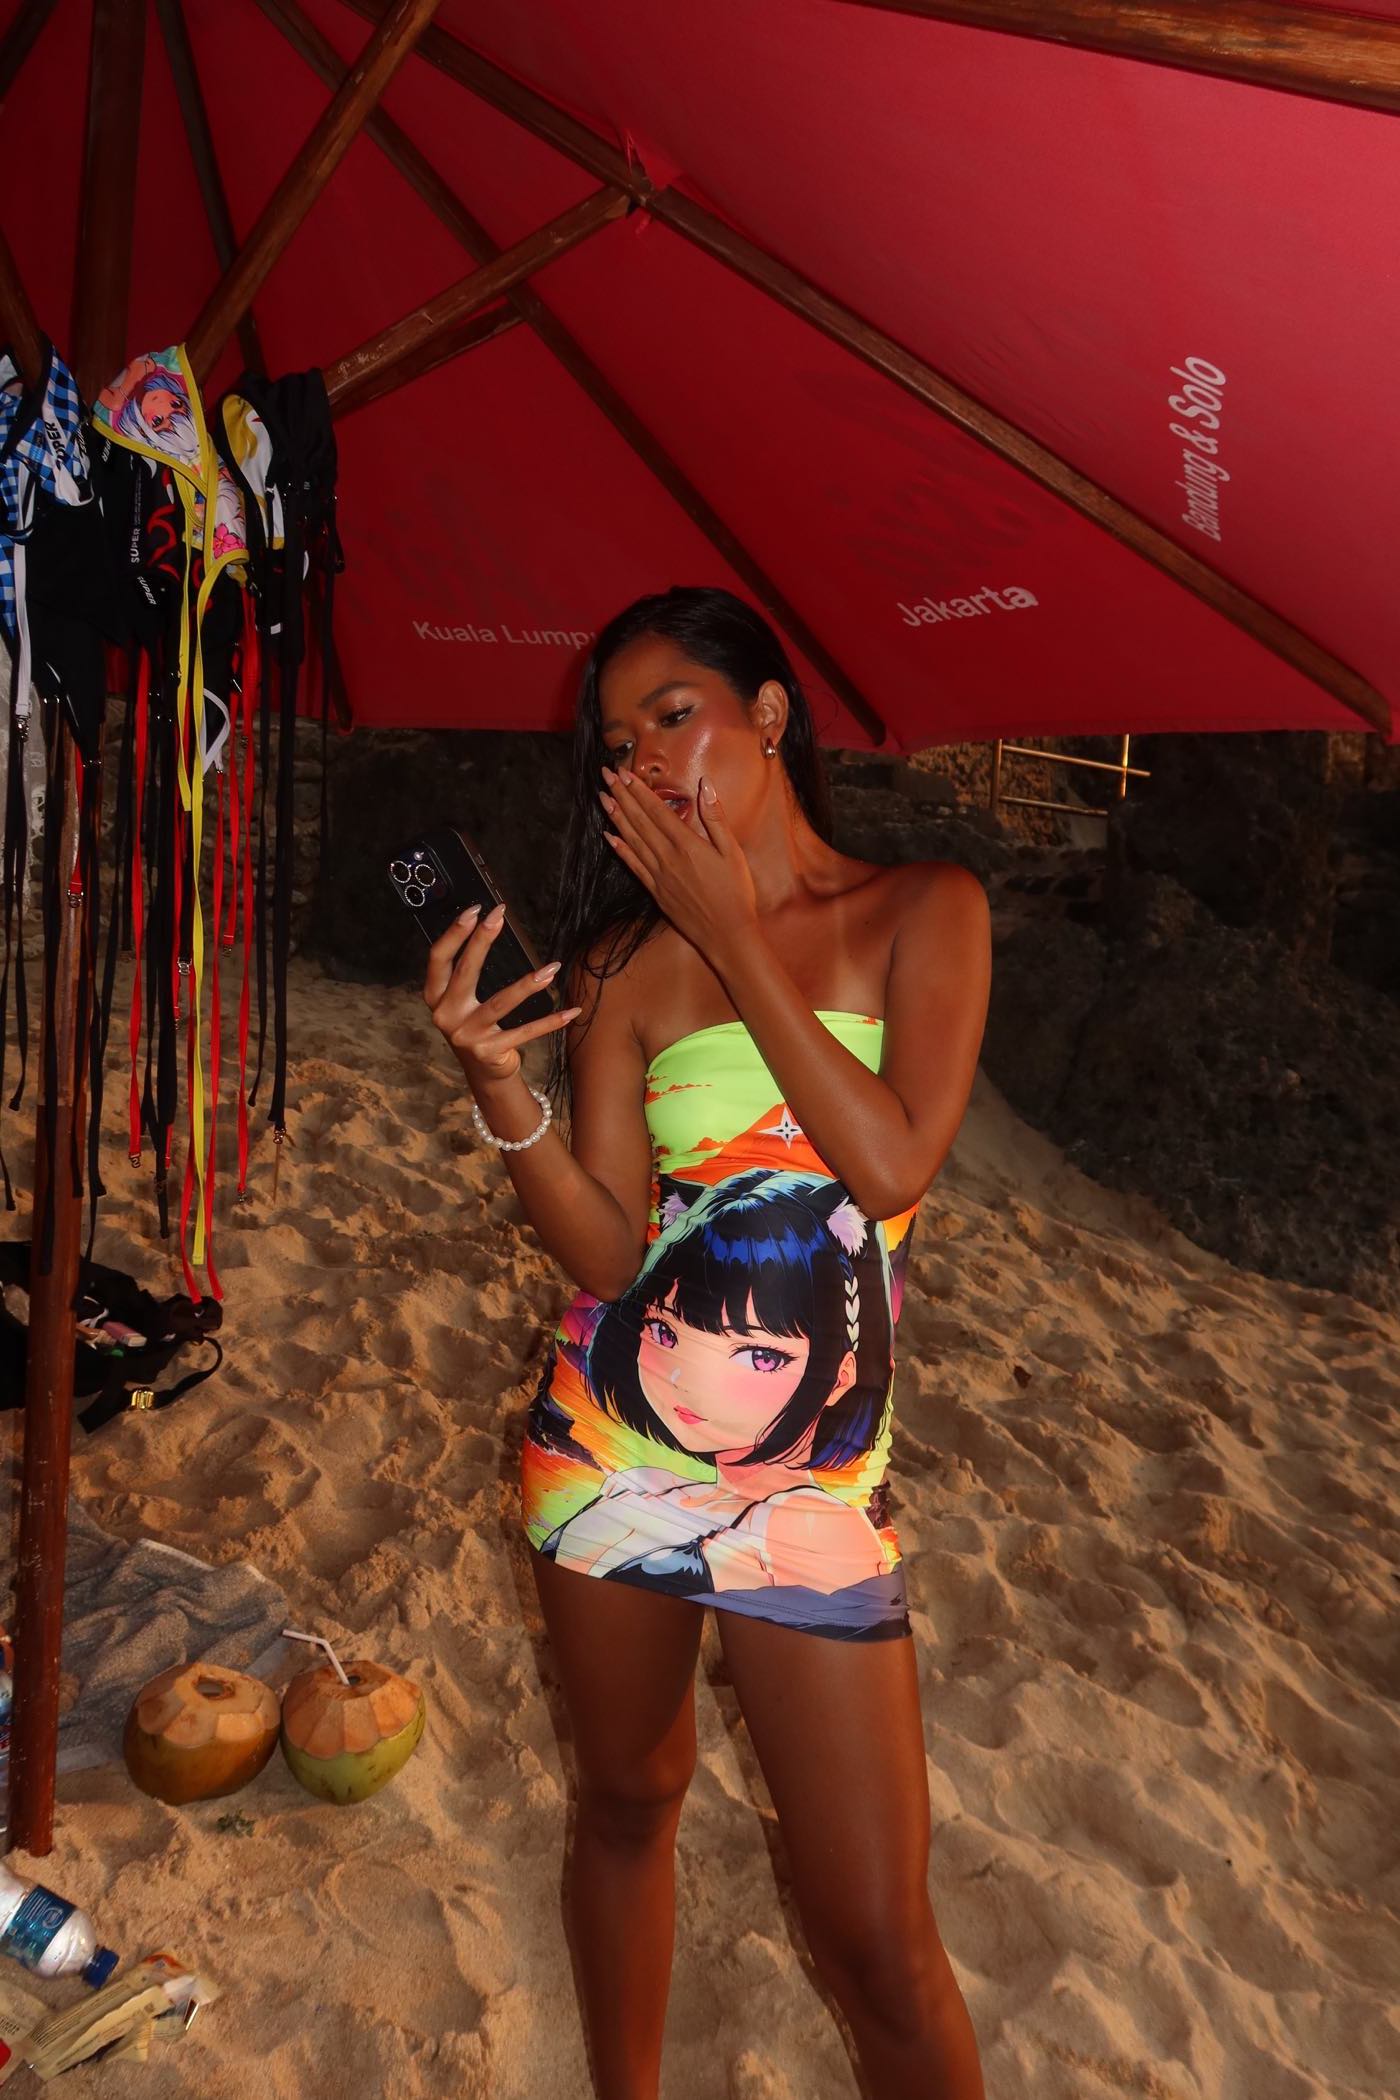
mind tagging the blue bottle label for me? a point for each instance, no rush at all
(39, 1918)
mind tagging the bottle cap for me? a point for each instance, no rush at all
(100, 1967)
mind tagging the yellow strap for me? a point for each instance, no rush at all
(197, 1137)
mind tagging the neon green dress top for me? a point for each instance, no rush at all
(720, 1431)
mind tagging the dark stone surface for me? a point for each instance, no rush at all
(1255, 1096)
(509, 790)
(1244, 823)
(1219, 1031)
(1047, 979)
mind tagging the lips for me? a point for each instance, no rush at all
(688, 1416)
(673, 799)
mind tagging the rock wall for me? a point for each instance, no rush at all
(1219, 1029)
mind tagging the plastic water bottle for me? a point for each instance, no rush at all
(48, 1935)
(7, 1700)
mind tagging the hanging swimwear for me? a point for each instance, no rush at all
(152, 408)
(720, 1432)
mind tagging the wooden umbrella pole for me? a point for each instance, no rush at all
(393, 39)
(48, 1393)
(102, 281)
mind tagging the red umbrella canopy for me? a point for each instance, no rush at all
(1039, 389)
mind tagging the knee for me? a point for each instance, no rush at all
(886, 1971)
(630, 1811)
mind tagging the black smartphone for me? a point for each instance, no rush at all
(438, 875)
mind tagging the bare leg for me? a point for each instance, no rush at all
(627, 1661)
(839, 1735)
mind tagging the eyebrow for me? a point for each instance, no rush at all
(660, 692)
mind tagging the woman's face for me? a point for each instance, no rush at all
(717, 1393)
(669, 721)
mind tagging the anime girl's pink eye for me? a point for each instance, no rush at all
(765, 1359)
(658, 1332)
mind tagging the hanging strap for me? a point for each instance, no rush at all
(139, 710)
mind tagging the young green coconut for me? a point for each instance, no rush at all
(345, 1740)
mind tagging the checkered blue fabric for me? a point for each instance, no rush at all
(43, 447)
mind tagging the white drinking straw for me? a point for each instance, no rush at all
(317, 1641)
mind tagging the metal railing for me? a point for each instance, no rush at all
(1119, 767)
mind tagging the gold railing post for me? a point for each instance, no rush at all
(1119, 767)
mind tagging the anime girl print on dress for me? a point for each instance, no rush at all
(720, 1431)
(756, 1341)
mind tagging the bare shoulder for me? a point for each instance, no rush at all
(939, 898)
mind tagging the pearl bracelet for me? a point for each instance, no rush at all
(489, 1137)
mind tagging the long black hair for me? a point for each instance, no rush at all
(602, 913)
(770, 1234)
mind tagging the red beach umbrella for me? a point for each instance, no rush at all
(1033, 365)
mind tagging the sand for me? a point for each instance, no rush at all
(1147, 1507)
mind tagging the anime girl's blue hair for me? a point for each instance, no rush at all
(767, 1234)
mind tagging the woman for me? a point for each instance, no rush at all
(767, 1057)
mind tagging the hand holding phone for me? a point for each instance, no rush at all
(480, 1028)
(484, 986)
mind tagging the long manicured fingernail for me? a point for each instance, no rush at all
(608, 773)
(624, 776)
(470, 913)
(607, 801)
(494, 918)
(547, 972)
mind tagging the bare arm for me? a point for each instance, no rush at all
(884, 1134)
(587, 1202)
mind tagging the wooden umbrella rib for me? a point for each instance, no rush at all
(416, 169)
(175, 31)
(397, 30)
(417, 331)
(19, 330)
(1334, 57)
(20, 39)
(494, 85)
(435, 350)
(726, 245)
(1021, 450)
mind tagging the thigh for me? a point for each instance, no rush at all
(839, 1734)
(626, 1659)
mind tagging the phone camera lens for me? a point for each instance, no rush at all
(427, 876)
(399, 870)
(413, 893)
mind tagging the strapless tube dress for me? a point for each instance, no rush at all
(720, 1431)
